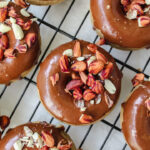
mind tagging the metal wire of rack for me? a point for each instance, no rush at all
(105, 134)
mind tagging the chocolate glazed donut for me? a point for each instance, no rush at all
(36, 136)
(136, 118)
(41, 2)
(24, 52)
(58, 101)
(110, 21)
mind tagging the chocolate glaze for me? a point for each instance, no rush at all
(11, 69)
(14, 134)
(57, 101)
(136, 123)
(116, 28)
(44, 2)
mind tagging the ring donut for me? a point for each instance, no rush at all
(36, 136)
(136, 117)
(79, 83)
(110, 22)
(38, 2)
(20, 42)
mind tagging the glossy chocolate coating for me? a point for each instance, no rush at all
(14, 134)
(116, 28)
(136, 123)
(59, 103)
(44, 2)
(11, 69)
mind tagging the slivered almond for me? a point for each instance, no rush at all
(3, 4)
(68, 52)
(4, 28)
(83, 77)
(108, 101)
(24, 13)
(54, 78)
(77, 49)
(19, 35)
(109, 86)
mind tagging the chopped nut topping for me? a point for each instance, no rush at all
(4, 28)
(24, 13)
(85, 119)
(54, 79)
(3, 4)
(77, 49)
(21, 3)
(88, 73)
(108, 101)
(19, 35)
(109, 86)
(137, 9)
(68, 52)
(139, 78)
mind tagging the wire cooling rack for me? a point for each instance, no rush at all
(59, 24)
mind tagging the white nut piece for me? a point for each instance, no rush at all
(68, 52)
(19, 35)
(12, 20)
(109, 86)
(132, 14)
(24, 13)
(4, 28)
(3, 4)
(18, 145)
(80, 58)
(28, 131)
(147, 2)
(91, 59)
(34, 19)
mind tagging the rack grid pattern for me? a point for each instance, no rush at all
(59, 24)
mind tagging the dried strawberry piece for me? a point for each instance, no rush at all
(138, 8)
(27, 25)
(77, 49)
(77, 93)
(21, 3)
(54, 78)
(92, 47)
(45, 148)
(83, 77)
(96, 66)
(20, 21)
(48, 139)
(75, 76)
(22, 48)
(74, 84)
(90, 80)
(125, 2)
(64, 64)
(108, 101)
(3, 42)
(1, 54)
(12, 12)
(97, 87)
(101, 57)
(101, 42)
(4, 122)
(3, 14)
(104, 74)
(30, 39)
(9, 53)
(79, 66)
(64, 145)
(139, 78)
(88, 95)
(85, 119)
